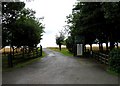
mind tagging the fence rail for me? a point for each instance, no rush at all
(103, 58)
(15, 57)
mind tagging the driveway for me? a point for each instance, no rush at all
(56, 68)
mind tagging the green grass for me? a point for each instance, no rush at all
(112, 72)
(64, 51)
(23, 64)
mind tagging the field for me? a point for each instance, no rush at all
(7, 50)
(95, 48)
(64, 50)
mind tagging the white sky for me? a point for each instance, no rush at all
(54, 13)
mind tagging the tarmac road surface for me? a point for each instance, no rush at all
(56, 68)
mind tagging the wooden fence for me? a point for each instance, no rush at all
(25, 54)
(103, 58)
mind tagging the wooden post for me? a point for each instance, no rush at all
(13, 52)
(10, 63)
(37, 52)
(40, 50)
(107, 46)
(23, 52)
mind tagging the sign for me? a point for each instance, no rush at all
(79, 49)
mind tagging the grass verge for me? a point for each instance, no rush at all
(64, 51)
(23, 64)
(112, 72)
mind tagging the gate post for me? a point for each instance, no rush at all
(10, 63)
(40, 50)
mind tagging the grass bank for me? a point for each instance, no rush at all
(64, 51)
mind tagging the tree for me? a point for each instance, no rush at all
(10, 13)
(20, 27)
(29, 30)
(87, 20)
(60, 39)
(112, 16)
(95, 21)
(70, 43)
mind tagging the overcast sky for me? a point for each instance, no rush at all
(54, 13)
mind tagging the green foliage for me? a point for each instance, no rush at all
(20, 26)
(29, 32)
(10, 13)
(60, 39)
(114, 61)
(95, 20)
(69, 44)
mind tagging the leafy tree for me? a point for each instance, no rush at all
(20, 27)
(10, 13)
(112, 16)
(29, 30)
(87, 20)
(92, 20)
(70, 44)
(60, 39)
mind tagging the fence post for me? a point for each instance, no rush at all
(40, 50)
(37, 52)
(10, 63)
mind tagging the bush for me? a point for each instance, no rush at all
(114, 61)
(70, 44)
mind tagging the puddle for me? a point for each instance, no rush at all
(51, 55)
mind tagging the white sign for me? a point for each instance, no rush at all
(79, 49)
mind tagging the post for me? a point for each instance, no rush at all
(10, 63)
(40, 50)
(23, 52)
(37, 52)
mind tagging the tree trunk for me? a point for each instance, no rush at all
(100, 47)
(10, 50)
(90, 47)
(4, 51)
(13, 51)
(23, 52)
(60, 47)
(111, 42)
(112, 45)
(106, 46)
(117, 45)
(84, 48)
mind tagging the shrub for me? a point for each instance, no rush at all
(114, 61)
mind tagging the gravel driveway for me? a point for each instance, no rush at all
(56, 68)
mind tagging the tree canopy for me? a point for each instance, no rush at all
(95, 21)
(20, 26)
(60, 39)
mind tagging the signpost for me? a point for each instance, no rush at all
(79, 41)
(79, 49)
